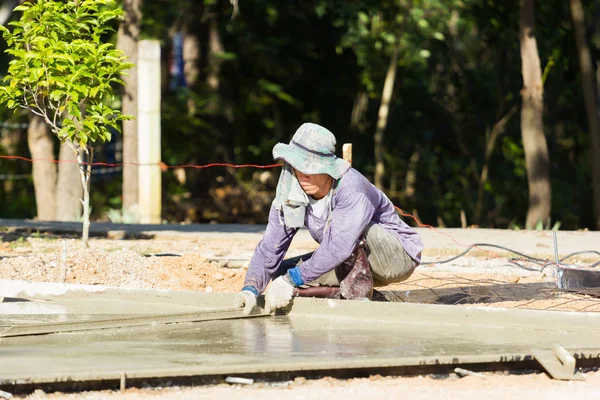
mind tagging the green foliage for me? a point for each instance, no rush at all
(374, 28)
(459, 73)
(284, 63)
(62, 69)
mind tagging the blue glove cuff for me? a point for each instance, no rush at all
(295, 277)
(250, 289)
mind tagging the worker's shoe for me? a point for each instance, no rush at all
(355, 276)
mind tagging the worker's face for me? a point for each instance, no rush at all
(314, 185)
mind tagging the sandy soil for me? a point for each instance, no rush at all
(481, 278)
(497, 386)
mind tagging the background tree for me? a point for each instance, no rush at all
(62, 72)
(127, 41)
(587, 84)
(532, 125)
(41, 146)
(453, 149)
(48, 189)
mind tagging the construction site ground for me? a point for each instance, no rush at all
(214, 258)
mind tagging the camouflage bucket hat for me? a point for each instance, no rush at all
(312, 151)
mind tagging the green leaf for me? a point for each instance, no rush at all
(423, 23)
(321, 9)
(425, 53)
(83, 138)
(363, 17)
(90, 125)
(227, 56)
(55, 95)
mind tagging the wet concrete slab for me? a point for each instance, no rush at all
(47, 311)
(260, 345)
(317, 335)
(81, 307)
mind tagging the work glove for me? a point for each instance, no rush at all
(279, 295)
(246, 299)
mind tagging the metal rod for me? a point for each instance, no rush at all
(555, 248)
(123, 384)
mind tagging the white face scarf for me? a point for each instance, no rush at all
(290, 198)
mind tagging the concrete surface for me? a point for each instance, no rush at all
(317, 335)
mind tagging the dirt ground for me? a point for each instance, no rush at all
(183, 264)
(498, 386)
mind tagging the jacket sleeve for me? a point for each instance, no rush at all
(350, 216)
(269, 252)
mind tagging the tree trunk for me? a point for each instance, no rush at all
(191, 50)
(68, 186)
(220, 108)
(532, 126)
(587, 82)
(85, 174)
(410, 180)
(457, 82)
(6, 10)
(127, 41)
(9, 142)
(359, 110)
(215, 46)
(191, 57)
(489, 150)
(41, 146)
(384, 109)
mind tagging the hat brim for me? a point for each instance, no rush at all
(309, 163)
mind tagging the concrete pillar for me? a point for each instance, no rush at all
(149, 186)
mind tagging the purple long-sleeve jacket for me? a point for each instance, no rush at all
(355, 203)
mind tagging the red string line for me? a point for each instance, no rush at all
(161, 164)
(164, 167)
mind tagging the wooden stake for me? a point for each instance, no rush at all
(347, 152)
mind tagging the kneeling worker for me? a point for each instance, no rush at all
(362, 240)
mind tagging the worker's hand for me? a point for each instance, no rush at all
(245, 299)
(279, 294)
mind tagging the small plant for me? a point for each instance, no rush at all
(120, 217)
(556, 226)
(540, 226)
(62, 71)
(20, 242)
(514, 225)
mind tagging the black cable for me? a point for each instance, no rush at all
(542, 262)
(514, 262)
(593, 265)
(483, 245)
(580, 252)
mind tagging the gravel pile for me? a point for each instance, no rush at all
(123, 268)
